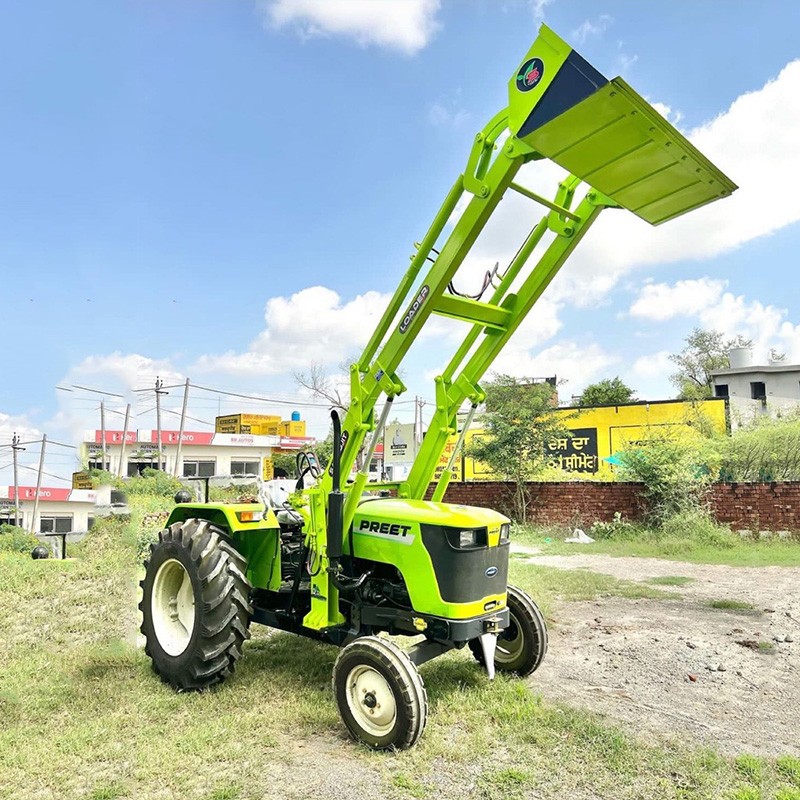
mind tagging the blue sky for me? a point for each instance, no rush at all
(177, 177)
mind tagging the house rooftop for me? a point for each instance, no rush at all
(757, 368)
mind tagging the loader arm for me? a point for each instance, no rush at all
(618, 151)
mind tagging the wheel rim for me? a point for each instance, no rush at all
(510, 642)
(371, 701)
(172, 607)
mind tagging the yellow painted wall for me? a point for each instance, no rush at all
(599, 433)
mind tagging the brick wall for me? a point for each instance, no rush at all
(755, 506)
(758, 506)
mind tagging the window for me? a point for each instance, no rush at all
(758, 390)
(244, 467)
(199, 469)
(721, 390)
(97, 463)
(55, 524)
(136, 468)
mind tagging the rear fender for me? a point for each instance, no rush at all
(227, 516)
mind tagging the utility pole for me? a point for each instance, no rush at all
(124, 441)
(103, 432)
(180, 432)
(38, 484)
(418, 404)
(159, 392)
(14, 447)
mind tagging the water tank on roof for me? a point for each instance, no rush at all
(740, 357)
(295, 416)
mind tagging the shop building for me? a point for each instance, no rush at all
(202, 454)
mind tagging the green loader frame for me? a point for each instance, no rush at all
(342, 565)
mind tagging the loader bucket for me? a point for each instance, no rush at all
(607, 135)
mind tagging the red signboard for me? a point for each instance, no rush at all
(115, 437)
(29, 493)
(295, 442)
(189, 437)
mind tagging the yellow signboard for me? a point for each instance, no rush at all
(269, 469)
(598, 434)
(82, 480)
(456, 471)
(259, 424)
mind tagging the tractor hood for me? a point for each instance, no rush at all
(396, 511)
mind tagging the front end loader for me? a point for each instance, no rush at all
(357, 564)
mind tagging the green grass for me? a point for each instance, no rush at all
(84, 717)
(670, 580)
(732, 605)
(732, 550)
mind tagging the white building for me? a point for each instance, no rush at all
(754, 390)
(61, 515)
(202, 453)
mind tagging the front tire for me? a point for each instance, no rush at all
(521, 647)
(380, 694)
(195, 605)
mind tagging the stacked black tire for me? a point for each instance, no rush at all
(221, 605)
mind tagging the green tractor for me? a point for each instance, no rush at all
(354, 565)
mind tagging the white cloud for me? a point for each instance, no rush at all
(442, 116)
(715, 309)
(313, 325)
(674, 117)
(11, 424)
(653, 366)
(577, 363)
(660, 301)
(405, 25)
(766, 325)
(121, 372)
(590, 28)
(538, 7)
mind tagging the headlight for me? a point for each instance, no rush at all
(505, 532)
(250, 516)
(467, 538)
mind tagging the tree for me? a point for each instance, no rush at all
(608, 392)
(519, 422)
(322, 386)
(705, 352)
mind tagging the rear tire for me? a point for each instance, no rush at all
(195, 605)
(522, 646)
(380, 694)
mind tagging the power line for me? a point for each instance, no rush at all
(49, 474)
(97, 391)
(262, 399)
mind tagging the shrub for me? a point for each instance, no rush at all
(698, 525)
(144, 538)
(766, 450)
(676, 473)
(618, 529)
(17, 540)
(153, 482)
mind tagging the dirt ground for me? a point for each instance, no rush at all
(676, 667)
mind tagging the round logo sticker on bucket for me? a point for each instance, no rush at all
(530, 73)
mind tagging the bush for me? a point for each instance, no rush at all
(675, 473)
(153, 482)
(17, 540)
(767, 450)
(144, 538)
(619, 529)
(699, 526)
